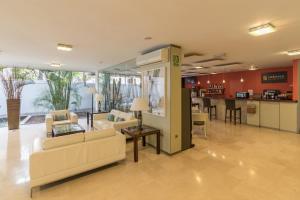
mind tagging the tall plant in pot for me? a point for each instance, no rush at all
(13, 81)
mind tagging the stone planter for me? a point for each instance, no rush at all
(13, 113)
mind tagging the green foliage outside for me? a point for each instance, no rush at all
(61, 91)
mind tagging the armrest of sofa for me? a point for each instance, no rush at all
(49, 118)
(100, 116)
(73, 118)
(124, 124)
(49, 122)
(37, 145)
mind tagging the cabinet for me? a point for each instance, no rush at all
(288, 116)
(269, 114)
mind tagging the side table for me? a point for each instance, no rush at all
(136, 133)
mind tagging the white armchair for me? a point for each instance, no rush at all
(59, 117)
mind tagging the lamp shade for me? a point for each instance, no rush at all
(92, 90)
(139, 104)
(99, 97)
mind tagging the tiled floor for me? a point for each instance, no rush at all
(236, 162)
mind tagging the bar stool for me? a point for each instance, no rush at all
(207, 104)
(230, 105)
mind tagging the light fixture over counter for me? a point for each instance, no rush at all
(262, 29)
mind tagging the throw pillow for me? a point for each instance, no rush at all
(110, 117)
(120, 119)
(61, 117)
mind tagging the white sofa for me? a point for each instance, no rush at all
(101, 122)
(50, 118)
(60, 157)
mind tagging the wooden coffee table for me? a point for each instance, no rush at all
(66, 129)
(136, 133)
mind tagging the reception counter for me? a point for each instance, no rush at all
(277, 114)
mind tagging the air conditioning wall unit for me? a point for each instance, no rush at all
(161, 55)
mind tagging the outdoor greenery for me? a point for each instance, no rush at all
(61, 91)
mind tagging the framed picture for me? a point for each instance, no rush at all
(154, 90)
(274, 77)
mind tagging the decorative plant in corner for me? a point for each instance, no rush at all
(13, 81)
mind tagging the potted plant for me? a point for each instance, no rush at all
(13, 80)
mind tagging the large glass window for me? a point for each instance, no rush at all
(118, 90)
(49, 90)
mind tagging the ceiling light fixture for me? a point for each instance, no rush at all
(147, 38)
(213, 73)
(252, 68)
(293, 52)
(64, 47)
(262, 29)
(55, 65)
(199, 67)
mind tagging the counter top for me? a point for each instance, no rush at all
(253, 99)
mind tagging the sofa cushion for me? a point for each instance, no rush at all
(120, 119)
(61, 122)
(98, 134)
(111, 117)
(103, 124)
(60, 117)
(126, 116)
(55, 142)
(115, 112)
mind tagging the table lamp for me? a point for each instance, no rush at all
(139, 105)
(92, 90)
(99, 99)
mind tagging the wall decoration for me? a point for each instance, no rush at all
(274, 77)
(176, 60)
(154, 90)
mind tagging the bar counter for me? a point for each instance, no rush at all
(277, 114)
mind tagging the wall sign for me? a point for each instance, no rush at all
(274, 77)
(176, 60)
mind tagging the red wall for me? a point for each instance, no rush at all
(295, 79)
(252, 80)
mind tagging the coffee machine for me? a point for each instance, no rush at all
(271, 94)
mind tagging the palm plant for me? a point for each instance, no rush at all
(61, 91)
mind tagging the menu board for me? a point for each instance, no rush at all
(274, 77)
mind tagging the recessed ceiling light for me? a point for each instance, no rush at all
(262, 29)
(213, 73)
(199, 67)
(147, 38)
(252, 68)
(64, 47)
(290, 53)
(55, 65)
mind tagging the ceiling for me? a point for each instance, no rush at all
(105, 33)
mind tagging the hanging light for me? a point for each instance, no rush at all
(223, 81)
(198, 82)
(208, 82)
(242, 79)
